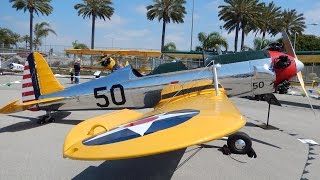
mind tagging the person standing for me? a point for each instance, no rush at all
(71, 75)
(77, 67)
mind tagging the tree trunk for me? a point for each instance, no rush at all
(163, 34)
(92, 37)
(236, 38)
(242, 36)
(262, 40)
(92, 31)
(31, 29)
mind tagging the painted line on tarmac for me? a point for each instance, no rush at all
(308, 141)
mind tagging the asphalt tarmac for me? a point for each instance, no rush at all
(32, 151)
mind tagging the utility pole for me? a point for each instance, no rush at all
(192, 25)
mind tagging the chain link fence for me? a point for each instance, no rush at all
(310, 73)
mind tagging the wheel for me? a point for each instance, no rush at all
(41, 121)
(51, 119)
(239, 143)
(44, 119)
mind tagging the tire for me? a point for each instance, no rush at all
(243, 138)
(51, 120)
(40, 121)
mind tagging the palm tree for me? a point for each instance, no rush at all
(41, 30)
(292, 22)
(261, 43)
(8, 38)
(15, 38)
(25, 39)
(167, 11)
(101, 9)
(171, 46)
(33, 6)
(240, 14)
(212, 40)
(77, 45)
(270, 16)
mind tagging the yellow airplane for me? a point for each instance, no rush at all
(8, 65)
(190, 107)
(110, 54)
(188, 113)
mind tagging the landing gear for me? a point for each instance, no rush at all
(239, 143)
(46, 119)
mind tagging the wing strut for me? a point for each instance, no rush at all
(215, 77)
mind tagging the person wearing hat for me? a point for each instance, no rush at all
(77, 68)
(71, 75)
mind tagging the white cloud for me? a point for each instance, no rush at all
(128, 34)
(213, 5)
(16, 25)
(128, 38)
(196, 16)
(6, 18)
(312, 15)
(141, 9)
(180, 39)
(115, 21)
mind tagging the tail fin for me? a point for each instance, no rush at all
(38, 78)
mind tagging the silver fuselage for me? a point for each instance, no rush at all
(123, 89)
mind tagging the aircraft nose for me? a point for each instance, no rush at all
(299, 65)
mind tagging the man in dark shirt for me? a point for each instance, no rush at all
(77, 67)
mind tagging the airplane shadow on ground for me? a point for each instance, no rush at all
(32, 123)
(298, 104)
(20, 126)
(250, 124)
(161, 166)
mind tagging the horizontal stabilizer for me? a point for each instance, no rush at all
(15, 106)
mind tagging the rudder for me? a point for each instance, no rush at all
(38, 78)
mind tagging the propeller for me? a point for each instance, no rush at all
(103, 59)
(299, 65)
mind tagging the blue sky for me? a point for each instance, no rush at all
(129, 27)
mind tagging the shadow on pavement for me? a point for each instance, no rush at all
(250, 124)
(32, 123)
(20, 126)
(161, 166)
(298, 104)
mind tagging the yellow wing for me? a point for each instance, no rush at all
(15, 106)
(121, 52)
(210, 117)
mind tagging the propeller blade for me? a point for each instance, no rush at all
(291, 52)
(98, 62)
(299, 75)
(287, 45)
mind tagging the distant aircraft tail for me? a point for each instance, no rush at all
(38, 79)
